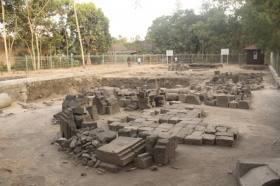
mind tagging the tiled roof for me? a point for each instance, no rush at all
(252, 47)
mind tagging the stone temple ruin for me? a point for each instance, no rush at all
(223, 90)
(152, 136)
(183, 122)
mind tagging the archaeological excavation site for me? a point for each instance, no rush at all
(152, 125)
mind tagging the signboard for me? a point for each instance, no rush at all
(169, 52)
(224, 51)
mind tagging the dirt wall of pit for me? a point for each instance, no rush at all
(53, 88)
(134, 82)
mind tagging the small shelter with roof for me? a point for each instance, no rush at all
(254, 55)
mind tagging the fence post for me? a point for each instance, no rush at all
(150, 59)
(71, 62)
(103, 60)
(239, 59)
(51, 63)
(143, 59)
(115, 59)
(88, 65)
(227, 59)
(26, 66)
(277, 61)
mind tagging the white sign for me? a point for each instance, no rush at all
(224, 51)
(169, 52)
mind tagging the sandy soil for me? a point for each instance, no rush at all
(25, 144)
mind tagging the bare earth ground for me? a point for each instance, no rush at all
(25, 144)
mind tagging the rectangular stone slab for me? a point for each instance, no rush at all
(224, 141)
(193, 140)
(121, 151)
(208, 139)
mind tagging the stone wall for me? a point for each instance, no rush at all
(18, 92)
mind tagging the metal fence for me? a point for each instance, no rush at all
(72, 62)
(275, 62)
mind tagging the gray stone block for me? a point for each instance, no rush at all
(143, 161)
(79, 110)
(91, 124)
(224, 141)
(70, 97)
(193, 140)
(151, 142)
(222, 101)
(182, 98)
(161, 152)
(173, 120)
(243, 104)
(125, 132)
(199, 128)
(210, 130)
(221, 129)
(134, 129)
(212, 102)
(164, 119)
(234, 131)
(180, 137)
(188, 130)
(233, 104)
(114, 126)
(208, 139)
(193, 99)
(108, 136)
(229, 134)
(67, 123)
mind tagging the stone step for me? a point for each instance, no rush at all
(259, 176)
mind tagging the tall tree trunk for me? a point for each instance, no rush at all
(11, 44)
(4, 36)
(32, 45)
(88, 57)
(67, 47)
(38, 51)
(79, 34)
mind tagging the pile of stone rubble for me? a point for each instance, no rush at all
(223, 90)
(85, 107)
(178, 67)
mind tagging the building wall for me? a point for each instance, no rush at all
(250, 57)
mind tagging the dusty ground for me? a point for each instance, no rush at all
(25, 144)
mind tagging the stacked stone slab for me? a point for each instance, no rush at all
(68, 127)
(146, 99)
(121, 151)
(104, 100)
(234, 94)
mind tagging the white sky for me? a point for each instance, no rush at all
(127, 21)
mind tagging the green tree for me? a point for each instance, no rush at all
(260, 21)
(94, 28)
